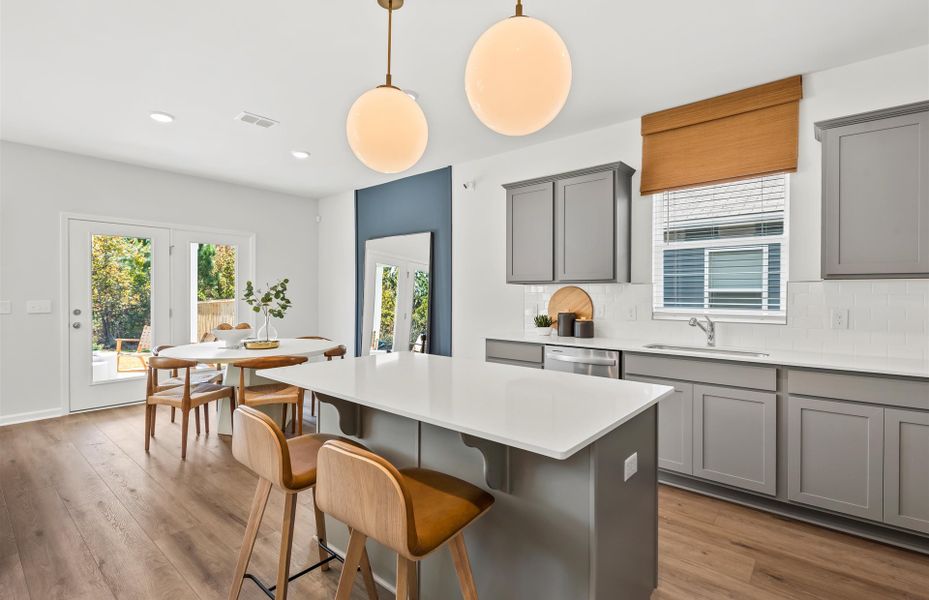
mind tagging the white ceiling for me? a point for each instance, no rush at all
(83, 76)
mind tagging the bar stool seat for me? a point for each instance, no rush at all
(442, 506)
(303, 451)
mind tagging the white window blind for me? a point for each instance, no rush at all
(721, 250)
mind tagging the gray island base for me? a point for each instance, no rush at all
(567, 529)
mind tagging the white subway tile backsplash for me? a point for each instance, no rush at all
(886, 318)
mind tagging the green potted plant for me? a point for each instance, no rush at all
(270, 302)
(543, 324)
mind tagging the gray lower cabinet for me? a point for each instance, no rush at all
(675, 426)
(530, 233)
(735, 437)
(876, 193)
(835, 456)
(585, 216)
(521, 354)
(906, 469)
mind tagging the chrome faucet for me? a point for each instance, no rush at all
(709, 329)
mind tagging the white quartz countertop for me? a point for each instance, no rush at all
(545, 412)
(901, 367)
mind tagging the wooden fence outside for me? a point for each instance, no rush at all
(211, 313)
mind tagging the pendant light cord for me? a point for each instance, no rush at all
(390, 26)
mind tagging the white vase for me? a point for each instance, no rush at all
(543, 330)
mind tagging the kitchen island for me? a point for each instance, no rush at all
(570, 460)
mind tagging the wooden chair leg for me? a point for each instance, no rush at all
(312, 404)
(148, 425)
(299, 409)
(172, 414)
(185, 422)
(151, 430)
(356, 545)
(320, 532)
(463, 567)
(259, 502)
(206, 418)
(287, 543)
(197, 418)
(404, 573)
(367, 576)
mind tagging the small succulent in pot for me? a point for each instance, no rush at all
(272, 302)
(543, 324)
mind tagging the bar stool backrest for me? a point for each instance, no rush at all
(259, 444)
(365, 492)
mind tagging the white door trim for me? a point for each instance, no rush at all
(64, 284)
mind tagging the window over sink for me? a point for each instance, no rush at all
(721, 250)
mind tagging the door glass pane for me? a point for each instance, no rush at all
(121, 297)
(419, 319)
(385, 308)
(213, 269)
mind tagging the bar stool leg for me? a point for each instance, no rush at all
(287, 541)
(403, 578)
(463, 567)
(367, 576)
(320, 532)
(259, 503)
(356, 546)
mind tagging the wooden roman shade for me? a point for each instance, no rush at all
(748, 133)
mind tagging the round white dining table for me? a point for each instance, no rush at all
(217, 353)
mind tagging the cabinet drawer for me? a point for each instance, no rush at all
(907, 393)
(518, 351)
(703, 371)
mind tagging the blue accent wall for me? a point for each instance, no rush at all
(410, 205)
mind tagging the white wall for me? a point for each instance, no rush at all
(37, 185)
(337, 269)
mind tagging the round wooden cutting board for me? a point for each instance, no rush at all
(571, 299)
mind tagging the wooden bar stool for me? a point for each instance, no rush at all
(334, 352)
(411, 511)
(187, 397)
(290, 466)
(272, 393)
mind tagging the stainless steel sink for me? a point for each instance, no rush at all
(707, 350)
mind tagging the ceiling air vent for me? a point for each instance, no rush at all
(257, 120)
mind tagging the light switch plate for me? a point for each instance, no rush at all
(839, 318)
(5, 307)
(38, 307)
(631, 466)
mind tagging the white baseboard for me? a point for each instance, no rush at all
(38, 415)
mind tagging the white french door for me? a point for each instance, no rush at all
(118, 309)
(133, 287)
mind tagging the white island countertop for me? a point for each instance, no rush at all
(876, 365)
(545, 412)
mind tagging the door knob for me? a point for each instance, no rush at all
(76, 325)
(76, 311)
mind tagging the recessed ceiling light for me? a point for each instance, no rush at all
(161, 117)
(412, 94)
(300, 154)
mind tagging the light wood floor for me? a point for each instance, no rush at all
(86, 514)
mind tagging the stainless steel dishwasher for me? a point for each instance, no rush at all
(584, 361)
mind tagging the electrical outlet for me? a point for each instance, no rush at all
(629, 313)
(839, 318)
(631, 466)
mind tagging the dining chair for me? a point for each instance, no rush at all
(200, 375)
(143, 345)
(334, 352)
(186, 397)
(265, 394)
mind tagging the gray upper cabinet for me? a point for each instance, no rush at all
(572, 227)
(735, 437)
(585, 209)
(876, 193)
(835, 455)
(906, 469)
(530, 233)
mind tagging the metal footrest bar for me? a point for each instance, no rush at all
(269, 591)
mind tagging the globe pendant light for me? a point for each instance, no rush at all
(386, 128)
(518, 75)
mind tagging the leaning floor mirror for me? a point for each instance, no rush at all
(397, 294)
